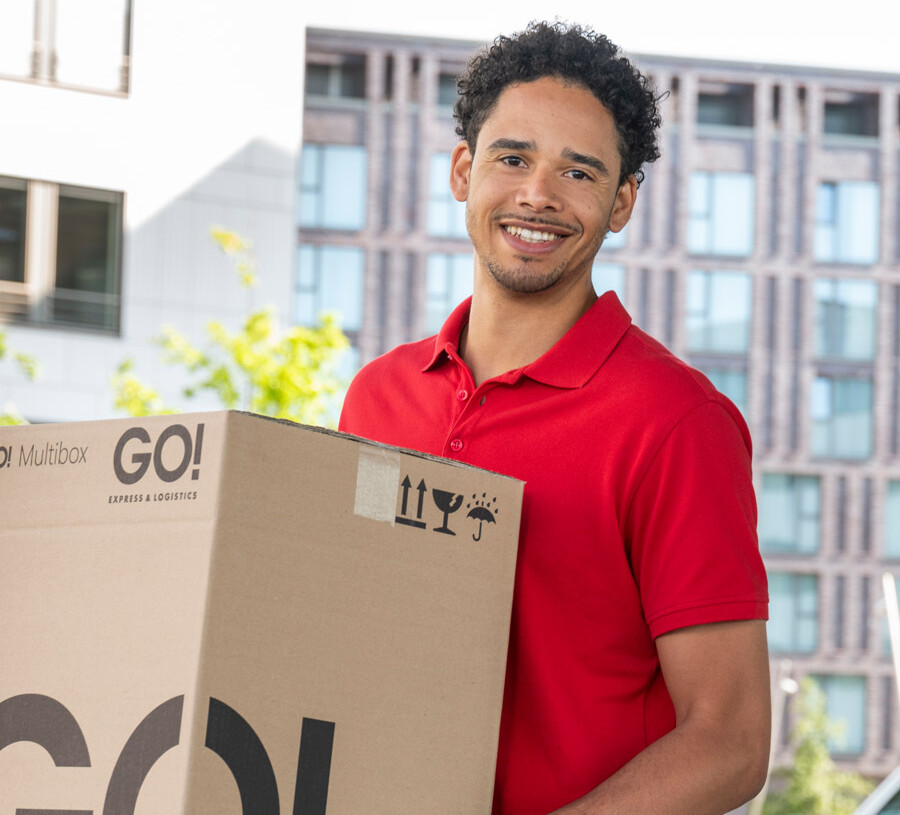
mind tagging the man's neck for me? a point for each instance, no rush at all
(507, 331)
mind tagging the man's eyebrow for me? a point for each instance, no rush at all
(511, 144)
(588, 161)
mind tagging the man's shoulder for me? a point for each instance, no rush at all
(382, 393)
(649, 373)
(406, 359)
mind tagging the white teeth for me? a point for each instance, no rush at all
(531, 235)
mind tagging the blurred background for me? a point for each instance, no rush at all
(187, 187)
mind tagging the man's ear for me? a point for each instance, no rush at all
(460, 168)
(626, 196)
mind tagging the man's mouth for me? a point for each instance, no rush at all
(532, 235)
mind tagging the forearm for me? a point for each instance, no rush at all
(716, 757)
(690, 771)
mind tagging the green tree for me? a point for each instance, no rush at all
(814, 785)
(27, 366)
(288, 373)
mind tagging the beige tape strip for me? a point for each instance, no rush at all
(377, 477)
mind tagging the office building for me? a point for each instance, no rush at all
(763, 250)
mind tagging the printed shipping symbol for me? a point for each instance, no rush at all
(482, 513)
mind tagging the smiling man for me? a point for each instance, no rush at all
(637, 678)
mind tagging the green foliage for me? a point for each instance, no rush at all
(287, 373)
(28, 366)
(813, 785)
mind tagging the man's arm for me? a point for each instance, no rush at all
(716, 757)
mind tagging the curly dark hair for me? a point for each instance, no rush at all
(572, 53)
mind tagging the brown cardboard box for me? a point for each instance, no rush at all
(218, 613)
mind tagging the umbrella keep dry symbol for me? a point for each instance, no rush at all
(482, 511)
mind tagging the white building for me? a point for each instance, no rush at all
(128, 129)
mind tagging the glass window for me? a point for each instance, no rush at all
(448, 282)
(845, 706)
(615, 240)
(847, 214)
(845, 318)
(609, 277)
(447, 89)
(793, 625)
(732, 383)
(16, 37)
(446, 215)
(789, 513)
(731, 109)
(856, 117)
(330, 278)
(90, 49)
(333, 185)
(720, 213)
(345, 80)
(13, 198)
(88, 258)
(841, 412)
(718, 311)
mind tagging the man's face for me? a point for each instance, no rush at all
(542, 188)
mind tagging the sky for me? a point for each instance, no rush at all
(861, 34)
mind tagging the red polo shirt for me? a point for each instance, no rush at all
(639, 518)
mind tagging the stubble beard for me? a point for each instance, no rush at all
(521, 280)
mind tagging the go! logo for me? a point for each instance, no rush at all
(45, 721)
(133, 456)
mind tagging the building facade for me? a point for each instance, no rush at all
(129, 130)
(763, 250)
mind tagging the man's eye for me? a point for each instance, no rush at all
(579, 175)
(512, 161)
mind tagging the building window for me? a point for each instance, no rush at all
(88, 238)
(847, 214)
(447, 89)
(333, 184)
(789, 514)
(609, 277)
(729, 381)
(729, 106)
(48, 40)
(13, 197)
(886, 647)
(845, 706)
(330, 278)
(343, 79)
(615, 240)
(720, 213)
(793, 625)
(851, 115)
(892, 520)
(448, 282)
(69, 274)
(718, 311)
(446, 215)
(845, 318)
(841, 411)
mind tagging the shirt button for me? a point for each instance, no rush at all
(462, 395)
(456, 445)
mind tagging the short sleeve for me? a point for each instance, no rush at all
(692, 526)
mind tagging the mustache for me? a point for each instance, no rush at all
(534, 220)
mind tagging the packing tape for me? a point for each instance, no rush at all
(377, 477)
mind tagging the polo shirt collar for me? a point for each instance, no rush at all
(572, 361)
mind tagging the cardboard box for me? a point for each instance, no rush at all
(219, 613)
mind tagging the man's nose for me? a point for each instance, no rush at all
(539, 191)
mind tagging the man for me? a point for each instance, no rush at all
(637, 679)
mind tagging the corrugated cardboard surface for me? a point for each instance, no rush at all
(278, 581)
